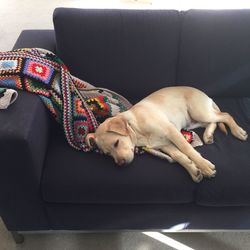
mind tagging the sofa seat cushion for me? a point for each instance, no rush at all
(75, 177)
(231, 186)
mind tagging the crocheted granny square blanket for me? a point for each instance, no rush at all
(77, 105)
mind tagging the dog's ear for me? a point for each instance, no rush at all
(119, 126)
(90, 140)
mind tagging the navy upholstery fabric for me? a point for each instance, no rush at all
(24, 134)
(74, 177)
(101, 217)
(36, 39)
(231, 186)
(215, 52)
(133, 52)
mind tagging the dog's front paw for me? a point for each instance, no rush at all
(198, 176)
(209, 173)
(207, 169)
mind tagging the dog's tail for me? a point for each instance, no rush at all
(221, 125)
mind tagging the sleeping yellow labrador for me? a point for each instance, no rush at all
(156, 121)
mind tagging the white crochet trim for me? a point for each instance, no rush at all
(9, 97)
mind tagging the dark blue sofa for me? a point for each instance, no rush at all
(47, 185)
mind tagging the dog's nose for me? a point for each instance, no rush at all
(121, 162)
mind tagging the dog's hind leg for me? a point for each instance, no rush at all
(208, 112)
(236, 130)
(208, 135)
(183, 160)
(214, 115)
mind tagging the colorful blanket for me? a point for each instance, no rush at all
(76, 104)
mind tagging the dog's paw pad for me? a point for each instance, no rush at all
(198, 172)
(198, 176)
(209, 139)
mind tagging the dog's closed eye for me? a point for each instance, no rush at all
(116, 144)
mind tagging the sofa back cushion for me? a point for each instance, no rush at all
(133, 52)
(215, 51)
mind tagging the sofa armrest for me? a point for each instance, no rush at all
(36, 39)
(24, 135)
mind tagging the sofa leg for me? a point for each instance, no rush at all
(18, 238)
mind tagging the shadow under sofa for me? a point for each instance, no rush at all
(47, 185)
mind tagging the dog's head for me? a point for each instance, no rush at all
(113, 138)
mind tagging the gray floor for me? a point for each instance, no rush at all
(16, 15)
(124, 241)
